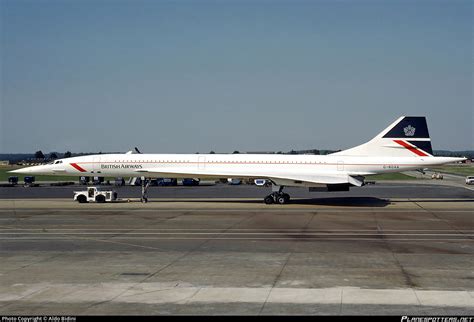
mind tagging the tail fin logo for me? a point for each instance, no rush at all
(409, 130)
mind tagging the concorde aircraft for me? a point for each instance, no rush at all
(404, 145)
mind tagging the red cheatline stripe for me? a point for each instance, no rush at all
(78, 167)
(411, 148)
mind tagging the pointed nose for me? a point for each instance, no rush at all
(24, 170)
(28, 170)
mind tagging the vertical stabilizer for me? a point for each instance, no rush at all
(407, 136)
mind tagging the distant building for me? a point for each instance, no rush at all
(4, 162)
(260, 152)
(312, 151)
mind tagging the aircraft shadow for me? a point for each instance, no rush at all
(344, 201)
(435, 200)
(336, 201)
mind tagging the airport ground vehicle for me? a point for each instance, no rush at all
(29, 181)
(98, 180)
(84, 180)
(437, 176)
(190, 182)
(13, 180)
(144, 181)
(155, 182)
(470, 180)
(167, 182)
(234, 181)
(94, 194)
(260, 182)
(119, 181)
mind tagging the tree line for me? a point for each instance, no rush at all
(53, 155)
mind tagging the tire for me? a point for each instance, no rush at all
(281, 200)
(81, 199)
(100, 199)
(287, 197)
(268, 200)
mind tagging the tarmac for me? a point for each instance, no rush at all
(394, 189)
(361, 252)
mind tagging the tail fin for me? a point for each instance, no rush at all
(407, 136)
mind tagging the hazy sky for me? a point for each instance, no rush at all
(188, 76)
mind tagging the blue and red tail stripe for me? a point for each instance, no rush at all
(413, 146)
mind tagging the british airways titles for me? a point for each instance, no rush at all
(121, 166)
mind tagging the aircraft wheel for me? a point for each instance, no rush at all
(286, 196)
(268, 200)
(281, 199)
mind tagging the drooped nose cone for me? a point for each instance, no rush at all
(38, 169)
(24, 170)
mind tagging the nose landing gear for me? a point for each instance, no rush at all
(277, 196)
(145, 185)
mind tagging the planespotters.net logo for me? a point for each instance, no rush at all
(437, 319)
(409, 130)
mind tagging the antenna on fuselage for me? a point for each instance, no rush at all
(132, 152)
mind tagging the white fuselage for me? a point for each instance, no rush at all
(231, 165)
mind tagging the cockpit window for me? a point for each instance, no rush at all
(57, 162)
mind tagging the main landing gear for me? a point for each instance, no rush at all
(277, 196)
(145, 185)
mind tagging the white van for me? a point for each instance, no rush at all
(234, 181)
(470, 180)
(260, 182)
